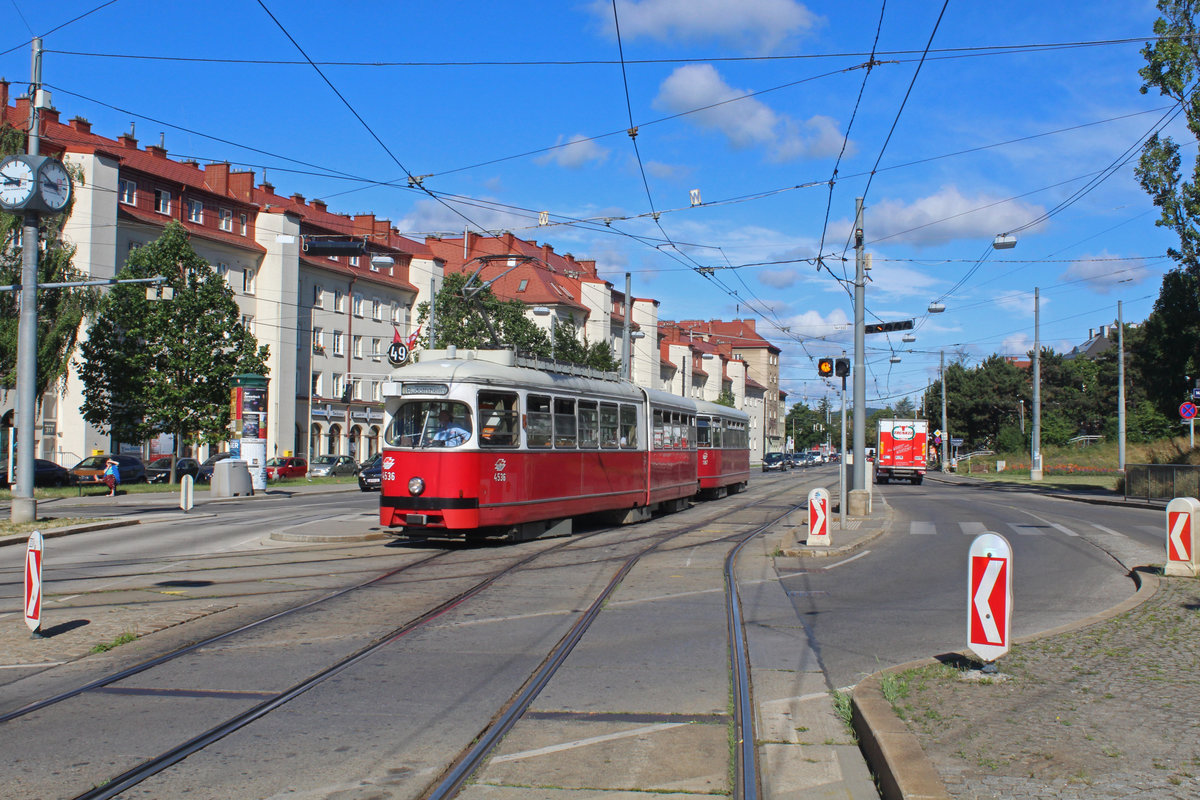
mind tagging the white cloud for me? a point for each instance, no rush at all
(671, 172)
(1019, 303)
(778, 278)
(946, 216)
(1018, 344)
(746, 122)
(577, 152)
(758, 26)
(1103, 274)
(429, 216)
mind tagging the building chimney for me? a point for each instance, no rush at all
(319, 205)
(127, 141)
(241, 185)
(216, 177)
(298, 198)
(78, 123)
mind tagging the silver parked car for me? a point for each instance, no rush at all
(329, 466)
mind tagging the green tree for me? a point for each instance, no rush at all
(484, 320)
(1171, 340)
(165, 366)
(59, 311)
(726, 399)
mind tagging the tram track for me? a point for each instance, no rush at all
(650, 541)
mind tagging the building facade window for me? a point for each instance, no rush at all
(376, 344)
(339, 301)
(356, 305)
(162, 201)
(354, 261)
(318, 296)
(127, 192)
(245, 223)
(195, 211)
(339, 385)
(376, 310)
(318, 339)
(355, 389)
(356, 346)
(338, 346)
(397, 314)
(248, 280)
(226, 220)
(248, 323)
(316, 384)
(375, 391)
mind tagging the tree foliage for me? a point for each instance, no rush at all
(1171, 340)
(59, 311)
(165, 366)
(484, 320)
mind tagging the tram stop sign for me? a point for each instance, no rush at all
(989, 596)
(1183, 514)
(818, 518)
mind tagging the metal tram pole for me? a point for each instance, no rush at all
(859, 498)
(24, 505)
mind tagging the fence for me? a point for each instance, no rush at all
(1162, 481)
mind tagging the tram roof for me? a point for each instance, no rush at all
(504, 369)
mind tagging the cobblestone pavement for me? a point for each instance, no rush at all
(1107, 711)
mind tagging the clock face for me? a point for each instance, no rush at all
(54, 184)
(16, 182)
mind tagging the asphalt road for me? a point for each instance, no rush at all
(906, 598)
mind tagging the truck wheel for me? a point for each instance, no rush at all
(917, 481)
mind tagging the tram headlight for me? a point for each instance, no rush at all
(416, 486)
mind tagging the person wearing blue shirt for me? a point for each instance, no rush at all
(449, 432)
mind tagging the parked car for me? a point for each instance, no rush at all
(159, 470)
(204, 473)
(287, 467)
(370, 474)
(774, 462)
(45, 473)
(329, 466)
(90, 471)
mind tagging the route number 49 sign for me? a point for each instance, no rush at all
(989, 596)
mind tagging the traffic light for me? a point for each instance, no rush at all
(888, 327)
(842, 367)
(825, 367)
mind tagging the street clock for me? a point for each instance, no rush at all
(34, 183)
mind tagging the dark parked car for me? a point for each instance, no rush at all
(289, 467)
(774, 461)
(370, 475)
(329, 466)
(45, 473)
(90, 471)
(204, 473)
(159, 470)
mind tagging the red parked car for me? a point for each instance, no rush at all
(290, 467)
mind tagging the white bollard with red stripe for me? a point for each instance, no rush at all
(33, 584)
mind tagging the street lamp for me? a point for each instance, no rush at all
(633, 337)
(1004, 241)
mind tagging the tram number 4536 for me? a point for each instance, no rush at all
(499, 476)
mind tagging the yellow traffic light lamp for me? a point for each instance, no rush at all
(825, 367)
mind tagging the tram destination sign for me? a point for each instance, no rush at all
(437, 389)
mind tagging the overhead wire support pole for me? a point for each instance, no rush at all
(858, 502)
(24, 506)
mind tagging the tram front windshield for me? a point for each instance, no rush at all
(430, 423)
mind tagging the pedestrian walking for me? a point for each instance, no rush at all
(112, 476)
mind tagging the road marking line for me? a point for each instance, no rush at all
(611, 737)
(1026, 530)
(972, 528)
(1106, 530)
(32, 666)
(921, 528)
(1054, 525)
(848, 560)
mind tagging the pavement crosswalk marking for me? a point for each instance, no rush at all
(972, 528)
(1027, 530)
(921, 528)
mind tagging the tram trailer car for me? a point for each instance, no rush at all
(483, 443)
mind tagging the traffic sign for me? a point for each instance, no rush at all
(33, 583)
(1187, 410)
(397, 353)
(989, 596)
(1182, 516)
(818, 517)
(1196, 393)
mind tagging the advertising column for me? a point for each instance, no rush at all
(249, 409)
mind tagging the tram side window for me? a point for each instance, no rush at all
(498, 415)
(702, 432)
(718, 433)
(430, 423)
(608, 425)
(539, 424)
(661, 437)
(629, 427)
(589, 424)
(564, 423)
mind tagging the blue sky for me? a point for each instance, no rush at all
(1021, 117)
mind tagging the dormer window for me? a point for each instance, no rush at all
(521, 286)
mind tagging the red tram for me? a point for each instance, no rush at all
(483, 443)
